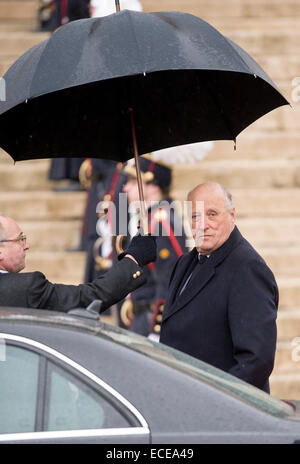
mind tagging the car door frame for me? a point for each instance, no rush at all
(139, 434)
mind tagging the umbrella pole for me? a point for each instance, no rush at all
(143, 213)
(117, 6)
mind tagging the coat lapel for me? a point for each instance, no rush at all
(201, 277)
(180, 273)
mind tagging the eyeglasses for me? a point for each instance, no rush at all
(19, 239)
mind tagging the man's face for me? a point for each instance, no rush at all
(212, 221)
(131, 188)
(12, 253)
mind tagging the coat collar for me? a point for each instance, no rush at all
(202, 275)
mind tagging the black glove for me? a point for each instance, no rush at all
(142, 248)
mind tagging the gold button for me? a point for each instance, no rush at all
(157, 328)
(159, 317)
(138, 273)
(134, 276)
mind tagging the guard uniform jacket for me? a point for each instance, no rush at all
(226, 316)
(33, 290)
(164, 223)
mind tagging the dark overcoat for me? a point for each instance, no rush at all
(226, 316)
(33, 290)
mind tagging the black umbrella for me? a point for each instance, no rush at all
(128, 82)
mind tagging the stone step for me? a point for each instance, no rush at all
(284, 118)
(17, 43)
(52, 235)
(264, 42)
(279, 203)
(289, 297)
(234, 174)
(283, 263)
(25, 175)
(258, 145)
(276, 202)
(18, 25)
(288, 325)
(230, 8)
(14, 9)
(285, 386)
(5, 158)
(228, 24)
(6, 62)
(271, 232)
(279, 66)
(18, 9)
(284, 380)
(287, 357)
(59, 267)
(239, 174)
(39, 205)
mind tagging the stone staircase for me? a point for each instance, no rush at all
(263, 173)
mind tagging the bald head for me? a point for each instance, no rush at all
(12, 245)
(213, 216)
(215, 189)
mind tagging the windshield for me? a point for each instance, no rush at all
(200, 370)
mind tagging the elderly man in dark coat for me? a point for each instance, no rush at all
(33, 290)
(223, 298)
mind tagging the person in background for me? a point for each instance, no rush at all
(142, 311)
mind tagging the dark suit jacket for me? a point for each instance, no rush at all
(33, 290)
(227, 314)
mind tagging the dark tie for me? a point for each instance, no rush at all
(200, 259)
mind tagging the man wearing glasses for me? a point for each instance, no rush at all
(33, 290)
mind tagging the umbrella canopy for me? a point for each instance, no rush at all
(70, 95)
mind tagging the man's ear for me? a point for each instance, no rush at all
(233, 215)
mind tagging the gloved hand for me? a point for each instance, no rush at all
(142, 248)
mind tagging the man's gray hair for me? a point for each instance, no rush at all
(228, 197)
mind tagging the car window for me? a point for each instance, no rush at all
(19, 370)
(74, 405)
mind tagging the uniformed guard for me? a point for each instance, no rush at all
(104, 177)
(141, 311)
